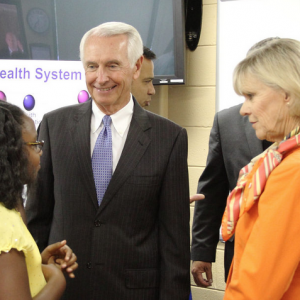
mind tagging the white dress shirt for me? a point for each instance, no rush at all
(119, 128)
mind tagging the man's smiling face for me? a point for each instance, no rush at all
(108, 72)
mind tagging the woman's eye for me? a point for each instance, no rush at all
(249, 96)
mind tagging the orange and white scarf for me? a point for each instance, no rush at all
(267, 162)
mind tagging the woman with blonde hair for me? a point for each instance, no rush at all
(263, 210)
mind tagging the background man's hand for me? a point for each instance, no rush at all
(200, 267)
(196, 197)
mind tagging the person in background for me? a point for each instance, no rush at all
(263, 209)
(129, 227)
(232, 144)
(142, 88)
(22, 276)
(14, 48)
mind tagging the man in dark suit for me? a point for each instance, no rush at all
(142, 88)
(232, 144)
(14, 48)
(135, 245)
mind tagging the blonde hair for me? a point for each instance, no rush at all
(276, 64)
(134, 45)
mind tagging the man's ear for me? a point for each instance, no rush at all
(137, 67)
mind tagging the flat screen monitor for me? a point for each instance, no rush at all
(52, 30)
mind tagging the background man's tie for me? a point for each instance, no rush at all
(102, 159)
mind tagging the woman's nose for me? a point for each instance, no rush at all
(245, 111)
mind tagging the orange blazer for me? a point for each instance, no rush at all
(267, 239)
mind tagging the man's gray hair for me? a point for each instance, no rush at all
(135, 44)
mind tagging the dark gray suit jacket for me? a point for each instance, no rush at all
(136, 244)
(232, 144)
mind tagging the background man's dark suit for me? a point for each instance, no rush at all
(5, 53)
(232, 145)
(136, 244)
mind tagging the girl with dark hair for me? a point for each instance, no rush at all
(24, 273)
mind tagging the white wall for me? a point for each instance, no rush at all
(242, 23)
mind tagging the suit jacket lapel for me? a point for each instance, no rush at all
(80, 132)
(255, 145)
(135, 146)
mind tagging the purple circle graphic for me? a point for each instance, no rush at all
(83, 96)
(29, 102)
(2, 96)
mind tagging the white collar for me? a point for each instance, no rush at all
(120, 120)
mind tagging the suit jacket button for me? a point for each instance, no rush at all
(97, 223)
(89, 265)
